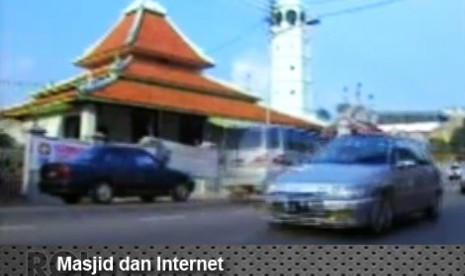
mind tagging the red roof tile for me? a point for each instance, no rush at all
(186, 78)
(112, 43)
(177, 100)
(117, 38)
(25, 109)
(156, 36)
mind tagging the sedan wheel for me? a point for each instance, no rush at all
(102, 193)
(147, 199)
(434, 210)
(180, 193)
(382, 217)
(71, 199)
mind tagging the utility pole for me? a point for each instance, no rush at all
(270, 22)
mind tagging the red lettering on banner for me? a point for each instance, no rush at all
(67, 151)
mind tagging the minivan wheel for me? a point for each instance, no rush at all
(180, 193)
(71, 199)
(381, 217)
(462, 190)
(276, 225)
(434, 210)
(102, 193)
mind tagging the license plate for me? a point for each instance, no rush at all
(52, 174)
(314, 204)
(291, 207)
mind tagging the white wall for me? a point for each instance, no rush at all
(15, 129)
(53, 125)
(425, 127)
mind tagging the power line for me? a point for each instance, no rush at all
(22, 83)
(251, 3)
(237, 38)
(360, 8)
(260, 4)
(317, 2)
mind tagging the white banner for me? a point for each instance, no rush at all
(48, 150)
(197, 161)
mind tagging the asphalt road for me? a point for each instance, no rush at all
(203, 223)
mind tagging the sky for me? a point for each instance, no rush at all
(409, 55)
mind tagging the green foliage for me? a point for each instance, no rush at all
(441, 150)
(457, 142)
(439, 145)
(324, 114)
(6, 141)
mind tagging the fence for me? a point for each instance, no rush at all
(11, 172)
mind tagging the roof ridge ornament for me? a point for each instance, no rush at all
(135, 27)
(149, 5)
(119, 64)
(88, 87)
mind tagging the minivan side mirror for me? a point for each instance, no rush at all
(401, 164)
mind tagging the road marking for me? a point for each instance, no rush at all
(16, 227)
(162, 218)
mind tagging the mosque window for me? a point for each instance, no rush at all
(277, 18)
(303, 17)
(292, 67)
(291, 17)
(292, 92)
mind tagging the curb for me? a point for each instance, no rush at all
(93, 209)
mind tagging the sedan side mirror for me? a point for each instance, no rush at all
(405, 164)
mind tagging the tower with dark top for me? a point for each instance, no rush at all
(290, 56)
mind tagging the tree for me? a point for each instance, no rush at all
(457, 142)
(324, 114)
(6, 141)
(439, 145)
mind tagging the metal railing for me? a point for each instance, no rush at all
(11, 173)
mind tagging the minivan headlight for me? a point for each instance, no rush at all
(349, 192)
(271, 189)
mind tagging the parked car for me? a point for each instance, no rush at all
(105, 172)
(358, 181)
(455, 172)
(251, 154)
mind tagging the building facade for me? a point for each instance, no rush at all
(143, 78)
(417, 124)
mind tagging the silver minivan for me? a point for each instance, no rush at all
(252, 154)
(358, 181)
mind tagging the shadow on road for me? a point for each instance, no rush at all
(352, 236)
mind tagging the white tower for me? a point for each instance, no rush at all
(290, 55)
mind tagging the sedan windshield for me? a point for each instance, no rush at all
(88, 155)
(354, 150)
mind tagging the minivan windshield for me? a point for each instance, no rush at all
(354, 150)
(251, 138)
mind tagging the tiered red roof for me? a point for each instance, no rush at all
(146, 61)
